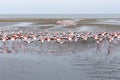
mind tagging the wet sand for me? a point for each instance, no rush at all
(53, 61)
(102, 24)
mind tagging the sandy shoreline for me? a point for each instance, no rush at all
(93, 24)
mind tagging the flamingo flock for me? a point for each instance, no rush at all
(67, 23)
(61, 37)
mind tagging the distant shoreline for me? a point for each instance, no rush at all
(59, 16)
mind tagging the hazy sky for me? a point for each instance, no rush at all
(59, 6)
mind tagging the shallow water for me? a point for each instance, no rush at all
(51, 61)
(80, 60)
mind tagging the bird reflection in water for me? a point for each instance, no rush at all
(58, 42)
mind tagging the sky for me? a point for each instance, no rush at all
(59, 6)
